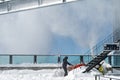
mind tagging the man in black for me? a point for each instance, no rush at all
(64, 65)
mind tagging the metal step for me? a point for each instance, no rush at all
(96, 60)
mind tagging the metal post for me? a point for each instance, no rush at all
(8, 6)
(99, 77)
(39, 2)
(59, 60)
(10, 59)
(81, 59)
(35, 59)
(109, 59)
(95, 77)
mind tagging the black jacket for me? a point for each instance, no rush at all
(65, 62)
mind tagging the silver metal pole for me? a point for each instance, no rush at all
(8, 6)
(95, 77)
(39, 2)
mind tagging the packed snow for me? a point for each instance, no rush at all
(31, 65)
(53, 74)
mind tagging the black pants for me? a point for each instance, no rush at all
(65, 70)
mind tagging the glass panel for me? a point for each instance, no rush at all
(47, 59)
(116, 59)
(20, 4)
(106, 60)
(22, 59)
(3, 7)
(62, 58)
(87, 59)
(72, 59)
(4, 59)
(50, 1)
(112, 62)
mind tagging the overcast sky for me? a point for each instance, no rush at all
(68, 28)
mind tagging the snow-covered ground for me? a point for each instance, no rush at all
(31, 65)
(52, 74)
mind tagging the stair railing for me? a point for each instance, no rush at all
(99, 47)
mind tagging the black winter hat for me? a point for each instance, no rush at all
(66, 57)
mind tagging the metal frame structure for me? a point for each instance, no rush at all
(98, 77)
(7, 6)
(58, 57)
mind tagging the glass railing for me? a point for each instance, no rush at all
(4, 59)
(17, 5)
(38, 59)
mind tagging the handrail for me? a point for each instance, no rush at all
(7, 6)
(97, 77)
(108, 39)
(35, 58)
(54, 58)
(45, 54)
(98, 48)
(100, 44)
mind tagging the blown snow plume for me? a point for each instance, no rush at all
(85, 22)
(22, 33)
(32, 31)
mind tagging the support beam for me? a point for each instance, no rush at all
(35, 59)
(59, 59)
(81, 59)
(10, 59)
(109, 59)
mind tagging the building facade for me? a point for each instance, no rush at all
(116, 32)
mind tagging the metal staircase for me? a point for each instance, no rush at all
(106, 46)
(96, 61)
(98, 48)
